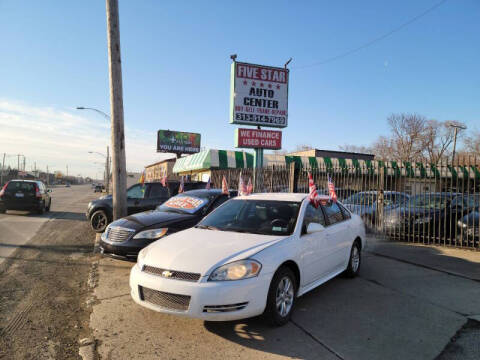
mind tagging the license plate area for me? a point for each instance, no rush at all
(20, 195)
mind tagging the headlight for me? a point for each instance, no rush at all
(104, 234)
(237, 270)
(141, 257)
(422, 220)
(151, 234)
(462, 224)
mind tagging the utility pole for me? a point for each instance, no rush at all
(3, 169)
(107, 170)
(24, 161)
(456, 127)
(48, 177)
(116, 109)
(18, 162)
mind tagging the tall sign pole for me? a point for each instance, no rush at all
(107, 170)
(119, 173)
(3, 169)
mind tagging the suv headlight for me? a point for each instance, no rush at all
(237, 270)
(422, 220)
(151, 234)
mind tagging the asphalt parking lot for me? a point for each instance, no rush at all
(400, 307)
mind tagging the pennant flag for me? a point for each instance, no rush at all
(180, 188)
(249, 186)
(242, 189)
(331, 189)
(313, 195)
(142, 178)
(208, 184)
(225, 186)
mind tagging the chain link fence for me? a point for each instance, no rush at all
(434, 204)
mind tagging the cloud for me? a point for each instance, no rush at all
(59, 137)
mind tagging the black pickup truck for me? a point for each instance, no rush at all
(140, 197)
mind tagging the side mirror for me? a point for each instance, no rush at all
(314, 227)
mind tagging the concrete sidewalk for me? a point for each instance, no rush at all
(407, 303)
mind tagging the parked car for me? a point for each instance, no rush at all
(365, 203)
(254, 254)
(98, 188)
(140, 197)
(25, 195)
(432, 215)
(67, 185)
(468, 227)
(125, 237)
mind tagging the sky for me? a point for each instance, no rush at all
(176, 72)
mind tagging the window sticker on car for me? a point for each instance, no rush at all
(185, 203)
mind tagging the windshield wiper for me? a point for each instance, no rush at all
(208, 227)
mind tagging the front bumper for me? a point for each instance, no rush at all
(205, 293)
(127, 250)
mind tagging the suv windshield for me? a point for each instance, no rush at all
(20, 186)
(184, 203)
(254, 216)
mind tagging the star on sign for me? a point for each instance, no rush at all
(244, 82)
(278, 87)
(261, 84)
(254, 83)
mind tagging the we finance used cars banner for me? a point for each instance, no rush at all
(258, 139)
(259, 95)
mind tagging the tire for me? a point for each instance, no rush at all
(354, 261)
(42, 209)
(99, 221)
(49, 205)
(3, 211)
(280, 315)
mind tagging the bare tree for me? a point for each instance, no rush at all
(437, 138)
(356, 148)
(407, 135)
(472, 143)
(383, 148)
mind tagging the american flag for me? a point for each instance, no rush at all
(249, 186)
(313, 195)
(208, 184)
(225, 186)
(142, 178)
(242, 189)
(331, 189)
(180, 188)
(164, 180)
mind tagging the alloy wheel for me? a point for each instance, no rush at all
(284, 296)
(99, 221)
(355, 259)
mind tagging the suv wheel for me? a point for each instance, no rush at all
(281, 297)
(99, 221)
(42, 208)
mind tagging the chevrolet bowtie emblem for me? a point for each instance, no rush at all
(167, 273)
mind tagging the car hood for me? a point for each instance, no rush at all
(360, 209)
(201, 250)
(150, 218)
(405, 212)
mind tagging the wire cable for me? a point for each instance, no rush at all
(375, 40)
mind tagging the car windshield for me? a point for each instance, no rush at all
(20, 186)
(266, 217)
(427, 201)
(361, 199)
(185, 204)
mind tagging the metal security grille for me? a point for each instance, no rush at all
(164, 299)
(119, 234)
(424, 203)
(171, 274)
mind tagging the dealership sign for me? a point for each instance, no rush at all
(178, 142)
(258, 139)
(259, 95)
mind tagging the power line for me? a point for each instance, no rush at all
(375, 40)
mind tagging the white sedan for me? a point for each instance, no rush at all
(252, 255)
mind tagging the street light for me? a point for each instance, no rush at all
(456, 127)
(107, 158)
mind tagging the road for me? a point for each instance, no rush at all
(409, 302)
(18, 227)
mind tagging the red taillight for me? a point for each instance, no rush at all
(2, 192)
(37, 192)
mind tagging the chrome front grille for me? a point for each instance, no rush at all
(165, 300)
(118, 233)
(171, 274)
(224, 308)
